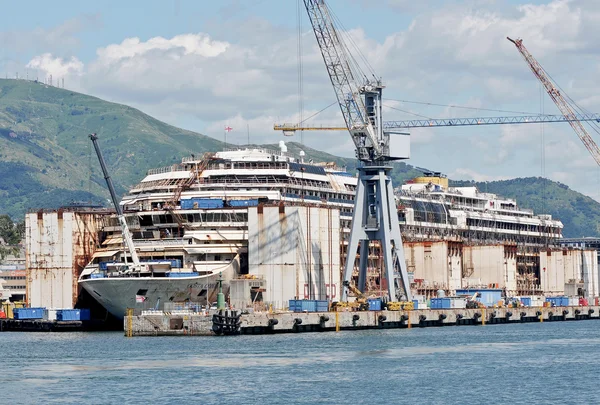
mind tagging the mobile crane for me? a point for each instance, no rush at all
(137, 266)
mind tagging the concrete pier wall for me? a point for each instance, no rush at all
(287, 322)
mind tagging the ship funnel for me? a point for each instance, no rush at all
(302, 154)
(282, 146)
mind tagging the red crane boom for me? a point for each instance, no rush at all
(563, 105)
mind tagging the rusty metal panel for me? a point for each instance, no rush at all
(58, 246)
(552, 273)
(298, 252)
(484, 267)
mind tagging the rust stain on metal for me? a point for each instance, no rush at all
(85, 242)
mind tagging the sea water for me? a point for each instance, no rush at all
(538, 363)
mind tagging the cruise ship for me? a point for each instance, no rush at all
(189, 223)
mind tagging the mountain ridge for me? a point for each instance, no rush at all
(47, 160)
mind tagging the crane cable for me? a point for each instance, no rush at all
(299, 12)
(464, 107)
(317, 113)
(339, 27)
(407, 112)
(593, 124)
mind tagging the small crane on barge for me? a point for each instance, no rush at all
(137, 266)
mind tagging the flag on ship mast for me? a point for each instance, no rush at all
(227, 129)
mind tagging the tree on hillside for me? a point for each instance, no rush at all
(12, 233)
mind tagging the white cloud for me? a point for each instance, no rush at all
(187, 44)
(57, 67)
(469, 174)
(455, 53)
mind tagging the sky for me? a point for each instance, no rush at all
(202, 65)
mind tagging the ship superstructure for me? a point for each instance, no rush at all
(189, 223)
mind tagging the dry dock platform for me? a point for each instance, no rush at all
(197, 324)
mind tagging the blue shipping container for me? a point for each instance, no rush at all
(293, 305)
(558, 301)
(322, 305)
(73, 315)
(306, 305)
(374, 304)
(487, 296)
(29, 313)
(526, 301)
(441, 303)
(180, 275)
(243, 203)
(201, 203)
(187, 204)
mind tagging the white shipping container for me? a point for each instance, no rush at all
(51, 314)
(420, 298)
(458, 303)
(573, 301)
(537, 301)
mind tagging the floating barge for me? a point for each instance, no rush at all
(40, 325)
(201, 324)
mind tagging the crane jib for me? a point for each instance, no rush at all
(566, 108)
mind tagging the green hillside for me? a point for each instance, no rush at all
(46, 156)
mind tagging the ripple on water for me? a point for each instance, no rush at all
(520, 363)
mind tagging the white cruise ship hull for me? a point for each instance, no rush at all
(116, 294)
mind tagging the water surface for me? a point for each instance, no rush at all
(545, 363)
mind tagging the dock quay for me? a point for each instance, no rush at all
(202, 324)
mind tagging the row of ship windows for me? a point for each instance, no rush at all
(149, 220)
(239, 180)
(15, 287)
(13, 277)
(511, 226)
(260, 165)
